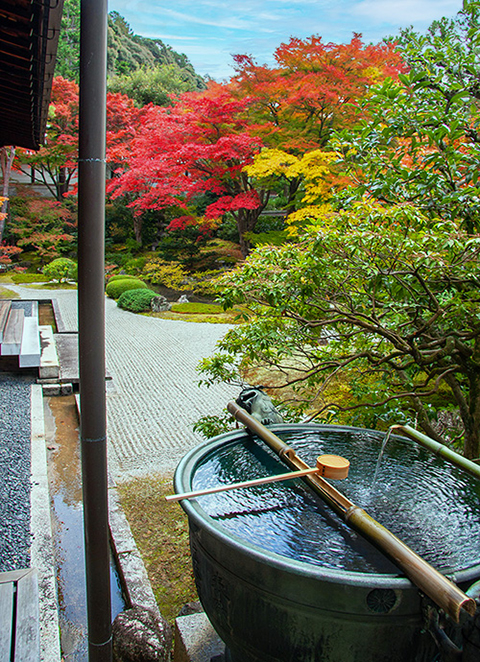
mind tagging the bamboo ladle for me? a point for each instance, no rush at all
(328, 466)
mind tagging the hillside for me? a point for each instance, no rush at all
(127, 53)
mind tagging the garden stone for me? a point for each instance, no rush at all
(191, 608)
(183, 299)
(159, 304)
(140, 636)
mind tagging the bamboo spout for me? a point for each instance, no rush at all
(431, 582)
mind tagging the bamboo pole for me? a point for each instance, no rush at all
(330, 466)
(440, 449)
(440, 589)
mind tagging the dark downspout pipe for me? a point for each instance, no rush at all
(91, 315)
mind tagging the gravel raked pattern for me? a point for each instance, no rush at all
(14, 471)
(153, 399)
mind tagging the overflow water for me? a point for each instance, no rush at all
(429, 504)
(64, 469)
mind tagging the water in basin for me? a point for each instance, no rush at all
(429, 504)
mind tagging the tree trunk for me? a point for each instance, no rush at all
(137, 228)
(6, 161)
(472, 427)
(246, 222)
(469, 409)
(61, 184)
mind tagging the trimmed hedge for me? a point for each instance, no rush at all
(136, 301)
(117, 287)
(122, 277)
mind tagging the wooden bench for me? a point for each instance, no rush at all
(19, 616)
(4, 312)
(13, 332)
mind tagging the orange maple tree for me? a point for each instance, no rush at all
(314, 89)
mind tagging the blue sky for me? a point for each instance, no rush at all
(210, 31)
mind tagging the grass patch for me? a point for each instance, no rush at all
(19, 278)
(160, 530)
(53, 285)
(221, 317)
(5, 293)
(197, 308)
(37, 281)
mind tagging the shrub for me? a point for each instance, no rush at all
(169, 274)
(207, 282)
(61, 270)
(136, 301)
(135, 265)
(117, 287)
(122, 277)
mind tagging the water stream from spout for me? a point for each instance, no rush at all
(380, 455)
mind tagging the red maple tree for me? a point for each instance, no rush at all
(56, 161)
(194, 149)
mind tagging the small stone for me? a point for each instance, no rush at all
(140, 636)
(159, 304)
(183, 299)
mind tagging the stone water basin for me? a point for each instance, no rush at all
(283, 578)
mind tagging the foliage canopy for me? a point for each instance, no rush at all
(383, 296)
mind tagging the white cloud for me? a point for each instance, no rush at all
(405, 11)
(209, 31)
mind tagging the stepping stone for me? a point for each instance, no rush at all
(30, 349)
(49, 364)
(4, 311)
(12, 336)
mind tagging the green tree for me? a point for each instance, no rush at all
(126, 51)
(382, 301)
(68, 51)
(421, 141)
(155, 84)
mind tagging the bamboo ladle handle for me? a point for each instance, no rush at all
(328, 466)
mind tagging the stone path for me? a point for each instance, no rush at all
(153, 399)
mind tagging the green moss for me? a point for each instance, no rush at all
(196, 308)
(122, 277)
(160, 530)
(5, 293)
(18, 277)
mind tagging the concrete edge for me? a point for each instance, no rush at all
(60, 324)
(41, 551)
(133, 575)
